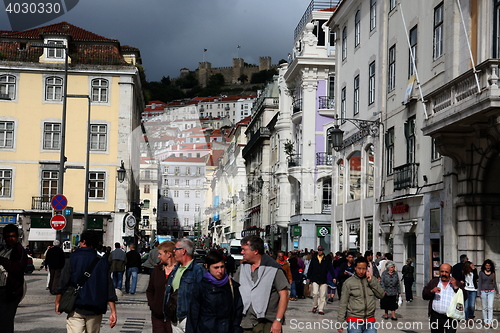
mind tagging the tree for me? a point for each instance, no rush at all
(263, 76)
(243, 78)
(216, 80)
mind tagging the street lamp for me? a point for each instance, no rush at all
(121, 172)
(366, 127)
(62, 158)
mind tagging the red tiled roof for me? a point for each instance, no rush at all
(61, 28)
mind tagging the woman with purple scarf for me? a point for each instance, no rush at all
(216, 304)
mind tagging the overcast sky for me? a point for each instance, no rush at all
(172, 34)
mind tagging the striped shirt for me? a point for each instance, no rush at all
(442, 299)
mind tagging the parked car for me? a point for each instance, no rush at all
(199, 256)
(29, 267)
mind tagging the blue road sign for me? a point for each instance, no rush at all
(59, 202)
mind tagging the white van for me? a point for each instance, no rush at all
(235, 250)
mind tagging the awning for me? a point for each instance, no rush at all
(42, 234)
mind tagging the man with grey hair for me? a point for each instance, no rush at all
(181, 282)
(55, 260)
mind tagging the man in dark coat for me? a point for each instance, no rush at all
(55, 260)
(346, 270)
(319, 268)
(133, 266)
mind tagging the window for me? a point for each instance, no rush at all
(147, 188)
(435, 155)
(186, 207)
(49, 183)
(392, 69)
(188, 171)
(344, 43)
(343, 103)
(187, 181)
(410, 139)
(197, 194)
(340, 194)
(176, 182)
(100, 90)
(97, 183)
(98, 137)
(327, 195)
(5, 183)
(197, 208)
(146, 203)
(165, 207)
(55, 53)
(51, 136)
(356, 95)
(373, 14)
(186, 194)
(355, 176)
(8, 86)
(186, 221)
(165, 182)
(53, 88)
(370, 171)
(438, 31)
(176, 194)
(166, 193)
(6, 134)
(331, 87)
(177, 170)
(176, 207)
(392, 4)
(357, 28)
(413, 48)
(389, 146)
(198, 182)
(371, 83)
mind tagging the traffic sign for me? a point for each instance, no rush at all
(58, 222)
(59, 202)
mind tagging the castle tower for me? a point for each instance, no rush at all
(238, 65)
(264, 63)
(204, 70)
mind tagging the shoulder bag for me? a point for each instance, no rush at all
(68, 299)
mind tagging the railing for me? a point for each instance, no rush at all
(313, 6)
(406, 176)
(297, 105)
(326, 102)
(41, 203)
(261, 133)
(326, 208)
(294, 160)
(323, 158)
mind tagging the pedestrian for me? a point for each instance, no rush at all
(332, 286)
(390, 283)
(439, 292)
(378, 258)
(357, 306)
(133, 265)
(457, 269)
(372, 267)
(13, 261)
(181, 283)
(471, 279)
(156, 287)
(118, 260)
(263, 288)
(487, 285)
(97, 292)
(408, 279)
(381, 266)
(346, 270)
(317, 275)
(216, 305)
(285, 266)
(55, 260)
(152, 260)
(230, 264)
(29, 250)
(296, 287)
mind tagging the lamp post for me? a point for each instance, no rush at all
(62, 158)
(366, 127)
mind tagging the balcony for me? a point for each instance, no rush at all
(261, 134)
(294, 160)
(41, 203)
(323, 158)
(297, 105)
(326, 106)
(406, 176)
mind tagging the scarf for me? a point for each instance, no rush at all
(213, 280)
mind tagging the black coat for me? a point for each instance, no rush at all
(214, 309)
(318, 272)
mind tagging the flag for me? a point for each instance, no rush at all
(239, 47)
(205, 50)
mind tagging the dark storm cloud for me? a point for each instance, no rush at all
(172, 34)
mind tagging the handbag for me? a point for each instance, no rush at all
(171, 307)
(456, 307)
(68, 299)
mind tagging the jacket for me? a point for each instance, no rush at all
(318, 271)
(358, 298)
(133, 259)
(155, 292)
(15, 266)
(408, 272)
(118, 260)
(429, 296)
(286, 268)
(215, 309)
(191, 277)
(390, 284)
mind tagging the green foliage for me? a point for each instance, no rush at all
(216, 80)
(187, 82)
(289, 148)
(243, 78)
(263, 76)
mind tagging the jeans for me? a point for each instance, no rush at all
(470, 304)
(362, 327)
(118, 280)
(131, 273)
(487, 299)
(293, 289)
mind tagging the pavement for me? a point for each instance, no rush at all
(36, 314)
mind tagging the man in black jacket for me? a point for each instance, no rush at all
(346, 270)
(55, 259)
(133, 266)
(317, 273)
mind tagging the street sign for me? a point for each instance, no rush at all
(66, 246)
(59, 202)
(58, 222)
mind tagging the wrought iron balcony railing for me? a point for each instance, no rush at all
(294, 160)
(323, 158)
(297, 105)
(41, 203)
(326, 102)
(406, 176)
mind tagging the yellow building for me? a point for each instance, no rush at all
(32, 83)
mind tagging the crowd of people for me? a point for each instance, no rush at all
(186, 296)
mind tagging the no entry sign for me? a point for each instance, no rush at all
(58, 222)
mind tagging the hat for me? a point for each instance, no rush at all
(321, 248)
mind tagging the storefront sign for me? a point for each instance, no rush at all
(400, 209)
(8, 218)
(324, 231)
(296, 231)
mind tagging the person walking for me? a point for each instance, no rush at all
(357, 306)
(133, 264)
(390, 283)
(439, 292)
(346, 270)
(97, 292)
(118, 260)
(317, 275)
(296, 288)
(55, 260)
(181, 283)
(471, 278)
(155, 291)
(285, 266)
(216, 306)
(408, 273)
(487, 285)
(13, 261)
(457, 269)
(152, 260)
(263, 288)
